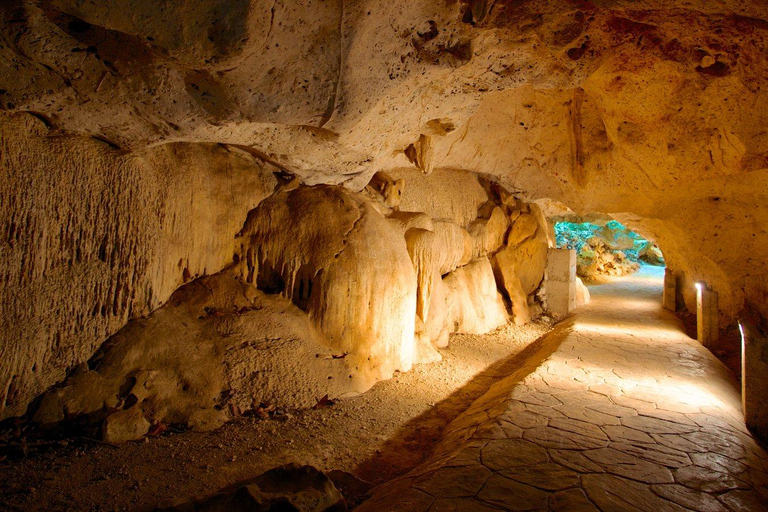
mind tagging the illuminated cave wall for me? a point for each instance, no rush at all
(328, 292)
(163, 136)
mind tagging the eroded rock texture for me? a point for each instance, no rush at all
(133, 147)
(337, 258)
(326, 297)
(95, 236)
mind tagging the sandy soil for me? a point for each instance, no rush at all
(377, 436)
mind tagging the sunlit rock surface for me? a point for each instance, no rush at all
(134, 146)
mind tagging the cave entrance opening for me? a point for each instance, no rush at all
(606, 248)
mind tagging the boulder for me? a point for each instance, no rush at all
(286, 488)
(219, 344)
(84, 393)
(126, 425)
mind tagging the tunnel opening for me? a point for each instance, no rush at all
(606, 248)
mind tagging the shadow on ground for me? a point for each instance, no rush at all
(415, 441)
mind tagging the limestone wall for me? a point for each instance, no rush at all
(94, 236)
(338, 259)
(373, 290)
(653, 114)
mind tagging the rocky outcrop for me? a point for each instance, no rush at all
(325, 298)
(650, 253)
(475, 305)
(126, 425)
(220, 347)
(519, 266)
(95, 237)
(605, 247)
(595, 258)
(337, 258)
(473, 217)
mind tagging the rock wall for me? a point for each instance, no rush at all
(94, 236)
(338, 259)
(651, 113)
(326, 296)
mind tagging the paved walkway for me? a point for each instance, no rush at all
(620, 411)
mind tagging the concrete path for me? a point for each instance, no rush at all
(619, 411)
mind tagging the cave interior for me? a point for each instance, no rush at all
(408, 255)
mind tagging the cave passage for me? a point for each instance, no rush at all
(626, 412)
(606, 248)
(417, 243)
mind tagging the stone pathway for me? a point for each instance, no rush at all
(619, 411)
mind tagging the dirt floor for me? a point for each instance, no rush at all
(377, 436)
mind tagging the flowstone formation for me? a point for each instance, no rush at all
(605, 247)
(134, 146)
(329, 292)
